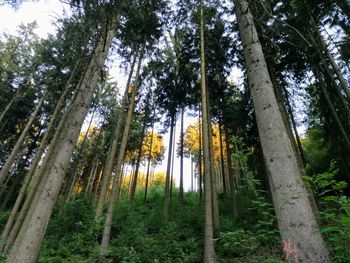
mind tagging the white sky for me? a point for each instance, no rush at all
(46, 13)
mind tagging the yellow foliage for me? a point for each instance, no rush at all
(191, 141)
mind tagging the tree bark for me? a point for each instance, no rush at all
(32, 169)
(8, 106)
(12, 157)
(332, 108)
(200, 176)
(172, 163)
(181, 192)
(209, 251)
(148, 164)
(107, 171)
(28, 242)
(231, 176)
(116, 182)
(166, 199)
(138, 160)
(300, 234)
(222, 161)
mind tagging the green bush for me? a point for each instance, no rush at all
(236, 243)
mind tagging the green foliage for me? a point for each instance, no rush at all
(141, 236)
(237, 243)
(72, 235)
(334, 213)
(3, 219)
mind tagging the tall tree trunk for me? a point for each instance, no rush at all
(91, 179)
(166, 199)
(138, 160)
(209, 251)
(231, 176)
(332, 108)
(9, 192)
(107, 171)
(74, 174)
(12, 157)
(344, 102)
(294, 126)
(117, 180)
(192, 189)
(148, 164)
(319, 42)
(172, 163)
(200, 176)
(28, 242)
(222, 161)
(213, 177)
(32, 169)
(300, 234)
(8, 106)
(181, 192)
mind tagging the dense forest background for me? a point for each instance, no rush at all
(78, 151)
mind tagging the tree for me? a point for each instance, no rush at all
(298, 227)
(33, 230)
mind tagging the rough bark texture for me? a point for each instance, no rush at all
(33, 167)
(117, 180)
(301, 238)
(27, 246)
(209, 251)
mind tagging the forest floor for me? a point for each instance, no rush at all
(140, 235)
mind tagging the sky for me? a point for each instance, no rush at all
(46, 13)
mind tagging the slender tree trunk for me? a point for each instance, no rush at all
(9, 192)
(74, 174)
(200, 176)
(172, 163)
(32, 169)
(332, 108)
(138, 161)
(12, 157)
(318, 41)
(343, 81)
(231, 176)
(300, 234)
(181, 193)
(91, 178)
(213, 177)
(117, 180)
(28, 242)
(166, 200)
(343, 100)
(222, 161)
(8, 106)
(192, 189)
(107, 171)
(148, 164)
(294, 126)
(213, 174)
(209, 251)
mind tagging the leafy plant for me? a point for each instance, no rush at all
(237, 243)
(335, 212)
